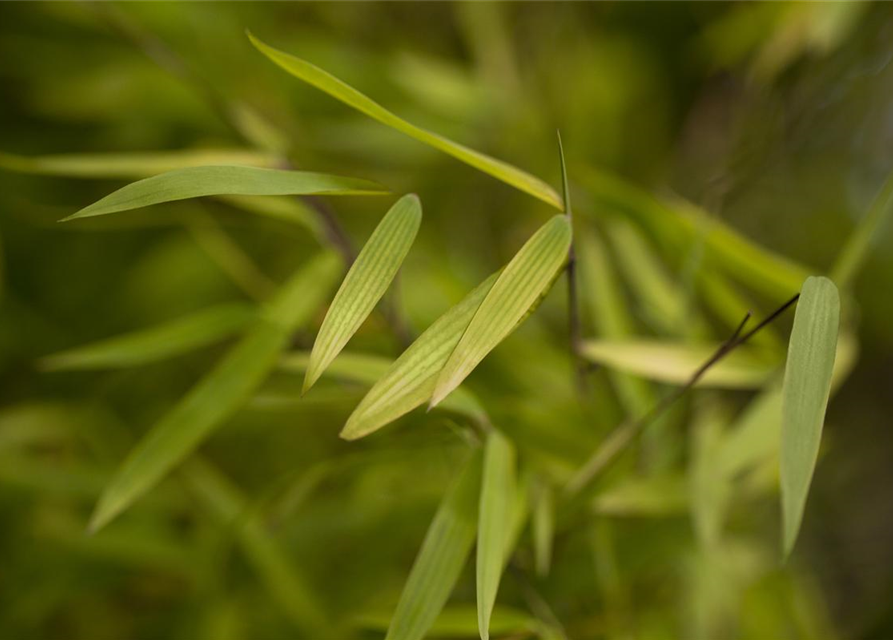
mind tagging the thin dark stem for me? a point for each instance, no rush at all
(623, 435)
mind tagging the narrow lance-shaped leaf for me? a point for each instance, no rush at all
(520, 285)
(221, 392)
(195, 182)
(543, 528)
(340, 90)
(496, 502)
(440, 561)
(155, 343)
(807, 386)
(366, 282)
(410, 380)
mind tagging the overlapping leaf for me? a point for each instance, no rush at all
(519, 287)
(366, 282)
(807, 387)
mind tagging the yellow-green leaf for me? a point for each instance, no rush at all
(155, 343)
(495, 510)
(443, 554)
(543, 528)
(807, 386)
(221, 392)
(343, 92)
(644, 497)
(521, 284)
(365, 283)
(675, 363)
(410, 380)
(195, 182)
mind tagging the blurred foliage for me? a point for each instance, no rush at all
(680, 123)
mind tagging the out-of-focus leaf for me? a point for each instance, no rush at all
(730, 306)
(133, 165)
(521, 284)
(339, 90)
(645, 497)
(543, 528)
(460, 621)
(709, 487)
(858, 246)
(807, 387)
(496, 501)
(291, 210)
(155, 343)
(195, 182)
(366, 282)
(675, 363)
(410, 380)
(443, 554)
(221, 392)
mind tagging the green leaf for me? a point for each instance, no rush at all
(440, 561)
(366, 282)
(195, 182)
(519, 287)
(410, 380)
(459, 621)
(155, 343)
(675, 363)
(543, 528)
(339, 90)
(644, 497)
(496, 502)
(133, 165)
(221, 392)
(807, 386)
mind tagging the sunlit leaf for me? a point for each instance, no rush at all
(496, 501)
(520, 285)
(367, 281)
(675, 362)
(339, 90)
(195, 182)
(155, 343)
(443, 554)
(807, 386)
(221, 392)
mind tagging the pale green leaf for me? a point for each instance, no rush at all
(155, 343)
(221, 392)
(440, 561)
(807, 387)
(339, 90)
(644, 497)
(496, 502)
(366, 282)
(675, 362)
(195, 182)
(519, 287)
(410, 380)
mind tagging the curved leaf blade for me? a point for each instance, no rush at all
(520, 285)
(366, 282)
(220, 393)
(196, 182)
(343, 92)
(807, 387)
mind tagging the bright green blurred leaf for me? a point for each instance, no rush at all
(644, 497)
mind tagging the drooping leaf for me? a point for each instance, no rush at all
(195, 182)
(339, 90)
(520, 285)
(366, 282)
(496, 501)
(221, 392)
(676, 362)
(155, 343)
(807, 386)
(443, 554)
(410, 380)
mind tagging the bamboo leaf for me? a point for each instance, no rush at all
(543, 529)
(675, 363)
(365, 284)
(195, 182)
(410, 380)
(154, 343)
(807, 386)
(644, 497)
(444, 551)
(520, 285)
(496, 502)
(221, 392)
(343, 92)
(460, 621)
